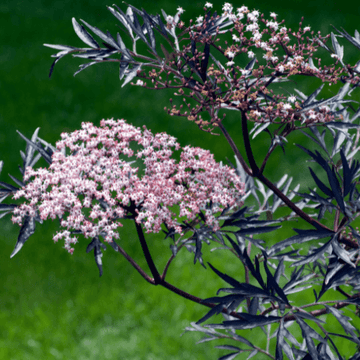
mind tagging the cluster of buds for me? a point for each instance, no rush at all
(246, 89)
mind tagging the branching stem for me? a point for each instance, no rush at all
(255, 172)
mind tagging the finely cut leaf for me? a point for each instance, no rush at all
(308, 333)
(9, 186)
(282, 345)
(250, 322)
(43, 153)
(97, 245)
(226, 278)
(321, 185)
(84, 35)
(131, 74)
(84, 66)
(230, 356)
(27, 229)
(344, 322)
(304, 236)
(105, 37)
(214, 311)
(342, 253)
(310, 99)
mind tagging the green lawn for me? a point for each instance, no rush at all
(54, 305)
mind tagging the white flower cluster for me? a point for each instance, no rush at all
(256, 36)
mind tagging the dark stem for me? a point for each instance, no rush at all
(172, 257)
(290, 204)
(256, 173)
(135, 265)
(159, 281)
(316, 313)
(249, 152)
(165, 284)
(149, 260)
(342, 292)
(235, 149)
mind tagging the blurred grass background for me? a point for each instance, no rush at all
(53, 305)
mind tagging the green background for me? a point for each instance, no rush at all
(55, 306)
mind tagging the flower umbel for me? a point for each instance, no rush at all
(94, 186)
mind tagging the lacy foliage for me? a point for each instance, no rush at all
(319, 258)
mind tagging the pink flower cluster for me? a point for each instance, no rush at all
(96, 170)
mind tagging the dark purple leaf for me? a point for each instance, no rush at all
(352, 40)
(341, 125)
(131, 74)
(279, 271)
(310, 99)
(95, 54)
(346, 173)
(44, 154)
(257, 230)
(246, 260)
(5, 207)
(341, 253)
(29, 151)
(336, 349)
(282, 345)
(214, 311)
(254, 305)
(304, 236)
(272, 284)
(108, 39)
(334, 183)
(344, 322)
(335, 186)
(317, 104)
(84, 66)
(317, 254)
(229, 356)
(162, 26)
(134, 26)
(5, 213)
(61, 47)
(308, 316)
(122, 44)
(84, 35)
(9, 186)
(97, 245)
(27, 229)
(226, 278)
(225, 300)
(249, 291)
(148, 24)
(17, 181)
(340, 278)
(198, 237)
(124, 65)
(205, 61)
(250, 322)
(227, 347)
(308, 334)
(251, 64)
(53, 64)
(321, 185)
